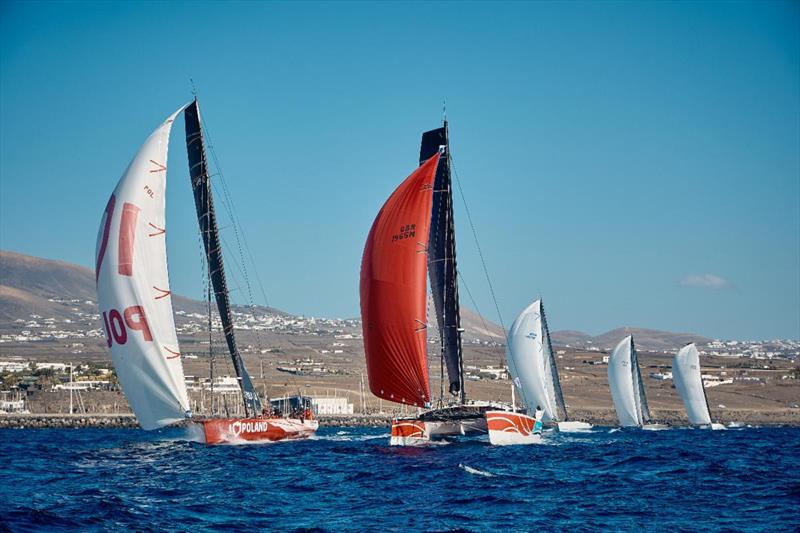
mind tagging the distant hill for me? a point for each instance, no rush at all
(29, 284)
(646, 339)
(569, 336)
(478, 327)
(49, 288)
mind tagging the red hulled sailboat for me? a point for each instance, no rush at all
(136, 303)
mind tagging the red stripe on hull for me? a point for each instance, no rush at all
(513, 422)
(239, 430)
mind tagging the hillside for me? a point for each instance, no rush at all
(48, 288)
(32, 285)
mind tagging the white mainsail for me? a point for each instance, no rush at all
(689, 382)
(625, 382)
(133, 288)
(531, 362)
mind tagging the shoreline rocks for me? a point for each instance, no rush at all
(599, 417)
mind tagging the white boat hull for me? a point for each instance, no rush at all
(574, 427)
(655, 427)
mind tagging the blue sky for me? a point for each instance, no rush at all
(633, 163)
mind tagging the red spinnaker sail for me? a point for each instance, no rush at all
(393, 291)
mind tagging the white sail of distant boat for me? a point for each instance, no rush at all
(532, 363)
(689, 383)
(133, 288)
(627, 388)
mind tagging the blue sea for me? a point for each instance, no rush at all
(349, 479)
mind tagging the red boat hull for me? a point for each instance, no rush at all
(243, 430)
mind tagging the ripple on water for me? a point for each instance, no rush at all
(350, 479)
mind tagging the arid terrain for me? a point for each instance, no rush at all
(54, 304)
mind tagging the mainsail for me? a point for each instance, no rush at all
(689, 382)
(133, 291)
(204, 202)
(532, 363)
(442, 260)
(392, 287)
(625, 381)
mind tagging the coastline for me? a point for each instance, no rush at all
(598, 417)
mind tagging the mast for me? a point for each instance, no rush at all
(442, 268)
(644, 410)
(206, 217)
(553, 369)
(703, 387)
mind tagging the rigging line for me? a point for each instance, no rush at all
(227, 202)
(477, 309)
(229, 207)
(478, 245)
(206, 279)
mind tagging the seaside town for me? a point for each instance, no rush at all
(58, 363)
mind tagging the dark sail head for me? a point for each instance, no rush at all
(442, 260)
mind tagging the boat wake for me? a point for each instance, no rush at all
(344, 436)
(474, 471)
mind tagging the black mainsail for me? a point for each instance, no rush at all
(442, 261)
(204, 202)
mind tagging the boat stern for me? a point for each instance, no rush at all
(408, 433)
(506, 428)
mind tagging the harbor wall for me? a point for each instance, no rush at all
(599, 417)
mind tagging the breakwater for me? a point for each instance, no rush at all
(123, 420)
(599, 417)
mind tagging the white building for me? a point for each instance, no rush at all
(331, 406)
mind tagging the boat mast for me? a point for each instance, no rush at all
(643, 409)
(204, 203)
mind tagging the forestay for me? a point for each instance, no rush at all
(689, 383)
(133, 290)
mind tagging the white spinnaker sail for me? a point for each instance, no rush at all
(526, 354)
(133, 288)
(622, 385)
(689, 382)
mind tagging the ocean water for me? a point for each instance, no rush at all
(349, 479)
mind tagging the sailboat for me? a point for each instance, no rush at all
(627, 387)
(532, 363)
(135, 300)
(413, 236)
(689, 383)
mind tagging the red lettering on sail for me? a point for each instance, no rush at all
(140, 324)
(104, 240)
(108, 331)
(118, 331)
(127, 235)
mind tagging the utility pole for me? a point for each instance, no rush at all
(70, 388)
(363, 404)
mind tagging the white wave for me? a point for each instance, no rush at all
(475, 471)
